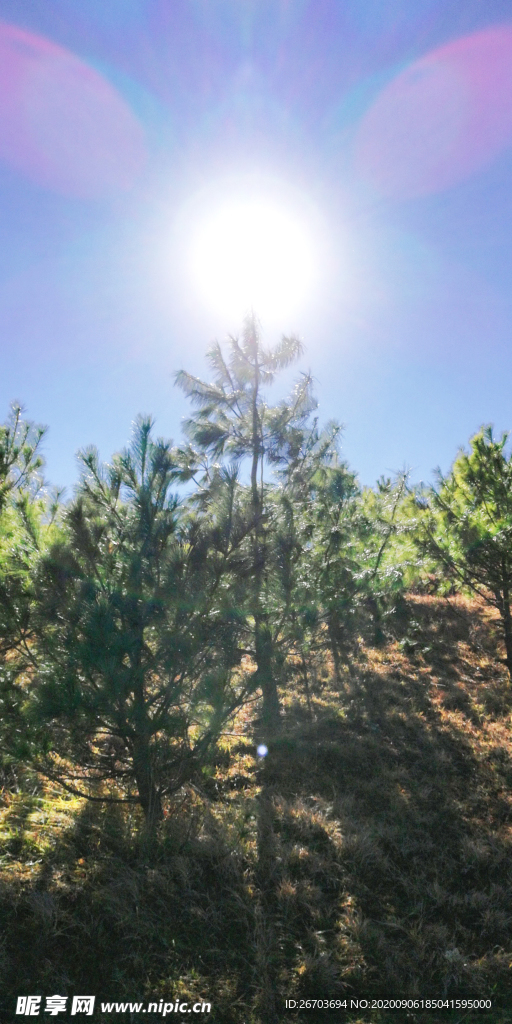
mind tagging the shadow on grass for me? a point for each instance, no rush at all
(386, 871)
(106, 915)
(417, 790)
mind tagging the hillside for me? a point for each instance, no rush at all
(367, 856)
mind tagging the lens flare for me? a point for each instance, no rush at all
(62, 124)
(442, 119)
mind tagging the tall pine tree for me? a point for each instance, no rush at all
(235, 424)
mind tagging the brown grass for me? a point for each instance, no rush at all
(367, 857)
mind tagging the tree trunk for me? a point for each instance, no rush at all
(306, 685)
(271, 711)
(339, 655)
(507, 621)
(263, 635)
(333, 644)
(149, 796)
(265, 937)
(378, 633)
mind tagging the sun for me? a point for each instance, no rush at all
(253, 253)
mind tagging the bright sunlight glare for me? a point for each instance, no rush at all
(253, 254)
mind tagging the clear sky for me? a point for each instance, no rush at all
(379, 130)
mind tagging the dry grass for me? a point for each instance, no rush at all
(369, 856)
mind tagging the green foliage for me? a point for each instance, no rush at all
(20, 461)
(21, 524)
(133, 639)
(469, 527)
(388, 872)
(26, 522)
(356, 558)
(233, 418)
(370, 848)
(234, 423)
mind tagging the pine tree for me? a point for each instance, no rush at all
(468, 528)
(24, 528)
(133, 645)
(234, 423)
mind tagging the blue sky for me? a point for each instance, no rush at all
(385, 126)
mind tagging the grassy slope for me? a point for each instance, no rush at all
(383, 821)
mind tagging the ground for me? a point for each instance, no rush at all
(368, 856)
